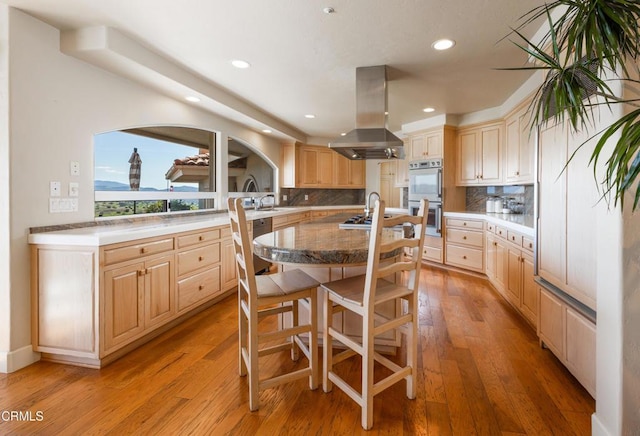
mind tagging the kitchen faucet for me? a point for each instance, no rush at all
(367, 207)
(259, 205)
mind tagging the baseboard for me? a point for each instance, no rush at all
(17, 359)
(597, 428)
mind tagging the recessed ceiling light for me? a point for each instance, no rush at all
(309, 116)
(343, 134)
(240, 63)
(328, 10)
(192, 99)
(266, 130)
(443, 44)
(428, 109)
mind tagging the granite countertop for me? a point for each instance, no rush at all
(518, 222)
(105, 232)
(320, 243)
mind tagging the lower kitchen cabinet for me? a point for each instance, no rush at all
(432, 249)
(496, 260)
(90, 305)
(137, 297)
(464, 241)
(570, 336)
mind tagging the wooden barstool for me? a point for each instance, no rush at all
(361, 295)
(268, 295)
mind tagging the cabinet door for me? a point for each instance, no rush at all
(512, 149)
(228, 272)
(388, 192)
(288, 164)
(418, 147)
(159, 290)
(581, 349)
(501, 265)
(123, 304)
(514, 267)
(341, 170)
(490, 157)
(434, 144)
(490, 256)
(552, 223)
(466, 169)
(325, 167)
(530, 297)
(308, 167)
(402, 173)
(357, 173)
(527, 150)
(551, 322)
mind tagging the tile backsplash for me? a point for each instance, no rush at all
(321, 197)
(477, 196)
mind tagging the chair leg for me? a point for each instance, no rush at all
(295, 352)
(412, 350)
(327, 343)
(367, 377)
(254, 376)
(242, 338)
(313, 339)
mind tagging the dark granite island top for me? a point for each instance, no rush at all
(319, 243)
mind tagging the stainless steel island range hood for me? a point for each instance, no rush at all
(370, 139)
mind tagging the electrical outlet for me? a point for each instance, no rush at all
(74, 168)
(284, 197)
(306, 197)
(54, 189)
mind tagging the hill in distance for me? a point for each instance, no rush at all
(108, 185)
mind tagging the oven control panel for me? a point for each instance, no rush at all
(425, 163)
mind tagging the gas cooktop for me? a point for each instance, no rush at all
(358, 222)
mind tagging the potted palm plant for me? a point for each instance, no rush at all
(588, 44)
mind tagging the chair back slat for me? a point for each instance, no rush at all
(402, 241)
(243, 248)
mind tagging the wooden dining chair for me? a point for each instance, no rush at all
(361, 295)
(270, 295)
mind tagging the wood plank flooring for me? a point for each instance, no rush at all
(482, 372)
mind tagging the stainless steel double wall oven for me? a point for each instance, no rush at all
(425, 181)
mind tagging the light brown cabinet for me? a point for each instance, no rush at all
(570, 336)
(116, 296)
(402, 166)
(427, 145)
(496, 259)
(432, 249)
(519, 147)
(464, 244)
(137, 297)
(479, 155)
(307, 166)
(388, 191)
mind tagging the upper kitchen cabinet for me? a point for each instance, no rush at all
(519, 147)
(479, 155)
(306, 166)
(426, 145)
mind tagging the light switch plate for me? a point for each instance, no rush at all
(54, 189)
(73, 189)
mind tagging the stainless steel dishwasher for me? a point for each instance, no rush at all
(260, 227)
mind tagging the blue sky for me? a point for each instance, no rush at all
(112, 151)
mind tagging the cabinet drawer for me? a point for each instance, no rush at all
(490, 227)
(279, 221)
(527, 244)
(515, 238)
(225, 232)
(465, 237)
(466, 224)
(191, 260)
(501, 231)
(198, 238)
(198, 287)
(470, 258)
(136, 251)
(431, 253)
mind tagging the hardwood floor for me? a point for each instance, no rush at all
(482, 372)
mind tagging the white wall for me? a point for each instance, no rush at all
(56, 104)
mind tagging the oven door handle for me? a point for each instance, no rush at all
(439, 220)
(439, 183)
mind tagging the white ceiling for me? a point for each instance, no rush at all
(303, 60)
